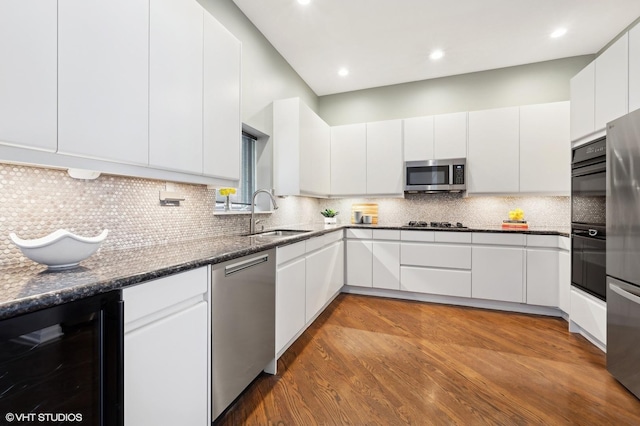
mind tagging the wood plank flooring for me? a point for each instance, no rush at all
(375, 361)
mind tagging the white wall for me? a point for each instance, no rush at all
(266, 76)
(521, 85)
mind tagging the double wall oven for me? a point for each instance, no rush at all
(588, 218)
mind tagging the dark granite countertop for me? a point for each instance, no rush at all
(28, 286)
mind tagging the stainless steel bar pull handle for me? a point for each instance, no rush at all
(241, 266)
(627, 295)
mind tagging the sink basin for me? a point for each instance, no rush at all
(279, 233)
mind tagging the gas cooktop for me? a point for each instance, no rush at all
(422, 224)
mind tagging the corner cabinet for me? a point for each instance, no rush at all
(384, 158)
(612, 83)
(302, 150)
(349, 159)
(28, 48)
(167, 350)
(583, 102)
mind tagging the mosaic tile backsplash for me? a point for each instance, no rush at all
(36, 201)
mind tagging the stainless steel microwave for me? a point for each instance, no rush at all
(435, 175)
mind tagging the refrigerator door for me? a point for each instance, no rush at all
(623, 198)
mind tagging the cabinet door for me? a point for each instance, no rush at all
(564, 281)
(612, 83)
(634, 68)
(290, 302)
(315, 153)
(497, 273)
(384, 157)
(544, 139)
(321, 278)
(583, 102)
(103, 80)
(221, 103)
(542, 277)
(493, 161)
(166, 370)
(349, 159)
(386, 265)
(175, 85)
(28, 73)
(450, 135)
(359, 263)
(418, 138)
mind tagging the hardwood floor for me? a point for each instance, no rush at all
(375, 361)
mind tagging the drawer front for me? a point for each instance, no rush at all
(499, 239)
(426, 236)
(386, 234)
(453, 237)
(547, 241)
(359, 233)
(590, 314)
(435, 255)
(286, 253)
(154, 296)
(322, 241)
(436, 281)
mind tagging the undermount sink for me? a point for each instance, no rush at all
(279, 233)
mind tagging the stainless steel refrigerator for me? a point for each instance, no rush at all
(623, 250)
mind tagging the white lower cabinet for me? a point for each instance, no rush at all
(386, 265)
(290, 301)
(564, 279)
(359, 263)
(498, 267)
(590, 314)
(309, 273)
(436, 281)
(323, 277)
(543, 264)
(167, 351)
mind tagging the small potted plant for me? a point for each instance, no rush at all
(329, 216)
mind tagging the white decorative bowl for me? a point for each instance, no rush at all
(61, 249)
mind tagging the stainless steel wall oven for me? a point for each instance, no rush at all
(588, 218)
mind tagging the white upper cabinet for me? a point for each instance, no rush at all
(302, 150)
(450, 135)
(349, 159)
(634, 68)
(175, 85)
(103, 80)
(418, 138)
(545, 155)
(28, 73)
(493, 159)
(583, 102)
(612, 83)
(384, 157)
(221, 104)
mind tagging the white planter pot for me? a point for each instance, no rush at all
(330, 220)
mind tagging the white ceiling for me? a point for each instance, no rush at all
(385, 42)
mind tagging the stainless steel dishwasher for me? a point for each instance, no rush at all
(243, 324)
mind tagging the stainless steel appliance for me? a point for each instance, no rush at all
(435, 175)
(588, 218)
(64, 365)
(623, 250)
(243, 324)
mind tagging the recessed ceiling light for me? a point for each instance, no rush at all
(304, 1)
(343, 72)
(436, 54)
(559, 33)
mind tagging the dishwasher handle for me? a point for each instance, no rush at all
(234, 268)
(624, 293)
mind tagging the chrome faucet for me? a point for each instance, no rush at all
(252, 225)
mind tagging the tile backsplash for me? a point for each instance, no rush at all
(37, 201)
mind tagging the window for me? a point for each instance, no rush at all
(247, 185)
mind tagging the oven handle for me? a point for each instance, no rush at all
(625, 293)
(594, 233)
